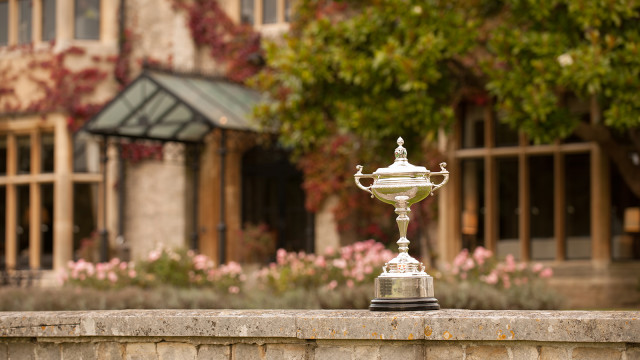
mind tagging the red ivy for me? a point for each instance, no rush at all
(231, 44)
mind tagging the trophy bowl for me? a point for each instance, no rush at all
(403, 284)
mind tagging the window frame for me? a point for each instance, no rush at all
(523, 151)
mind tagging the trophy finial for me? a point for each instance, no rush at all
(401, 152)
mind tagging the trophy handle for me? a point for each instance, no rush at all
(444, 173)
(358, 175)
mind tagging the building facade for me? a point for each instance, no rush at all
(562, 203)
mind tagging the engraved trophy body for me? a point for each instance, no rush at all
(403, 284)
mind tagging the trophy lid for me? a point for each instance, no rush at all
(401, 165)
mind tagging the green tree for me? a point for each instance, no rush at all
(546, 54)
(352, 76)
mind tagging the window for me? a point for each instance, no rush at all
(24, 21)
(48, 20)
(246, 12)
(269, 11)
(4, 22)
(531, 201)
(87, 19)
(265, 12)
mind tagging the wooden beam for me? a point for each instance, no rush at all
(11, 216)
(35, 205)
(600, 208)
(559, 206)
(524, 203)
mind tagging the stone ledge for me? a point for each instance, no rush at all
(465, 325)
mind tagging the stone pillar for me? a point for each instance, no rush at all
(63, 196)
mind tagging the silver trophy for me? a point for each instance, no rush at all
(403, 284)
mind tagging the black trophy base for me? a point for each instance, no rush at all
(407, 304)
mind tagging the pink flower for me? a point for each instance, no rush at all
(234, 289)
(132, 274)
(112, 276)
(537, 267)
(154, 255)
(480, 254)
(468, 264)
(461, 257)
(332, 285)
(320, 262)
(329, 251)
(281, 256)
(350, 283)
(546, 273)
(492, 278)
(510, 263)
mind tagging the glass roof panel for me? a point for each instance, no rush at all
(193, 132)
(111, 116)
(139, 91)
(160, 107)
(164, 130)
(132, 130)
(178, 115)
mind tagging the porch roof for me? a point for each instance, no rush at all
(175, 107)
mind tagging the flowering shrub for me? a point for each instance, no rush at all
(179, 268)
(482, 266)
(112, 274)
(351, 266)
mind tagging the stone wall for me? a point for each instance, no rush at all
(320, 335)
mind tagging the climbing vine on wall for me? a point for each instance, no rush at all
(57, 86)
(235, 46)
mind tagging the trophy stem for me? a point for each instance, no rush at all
(403, 223)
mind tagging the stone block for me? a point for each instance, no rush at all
(79, 351)
(48, 351)
(633, 353)
(141, 351)
(4, 352)
(248, 351)
(402, 351)
(214, 352)
(174, 350)
(286, 352)
(22, 351)
(365, 352)
(334, 352)
(586, 353)
(443, 352)
(487, 352)
(553, 353)
(525, 352)
(110, 351)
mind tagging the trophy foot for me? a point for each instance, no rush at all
(409, 304)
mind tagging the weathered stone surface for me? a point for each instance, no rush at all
(248, 351)
(4, 352)
(78, 351)
(487, 352)
(46, 351)
(633, 353)
(331, 352)
(173, 350)
(552, 326)
(586, 353)
(22, 350)
(214, 352)
(287, 351)
(141, 351)
(554, 353)
(402, 351)
(359, 324)
(110, 351)
(366, 352)
(443, 352)
(524, 352)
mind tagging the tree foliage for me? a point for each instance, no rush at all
(373, 70)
